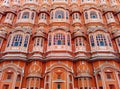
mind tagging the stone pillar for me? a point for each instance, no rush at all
(116, 74)
(103, 80)
(96, 81)
(21, 82)
(14, 80)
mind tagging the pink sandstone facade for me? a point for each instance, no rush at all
(60, 44)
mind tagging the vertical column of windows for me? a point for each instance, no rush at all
(100, 16)
(67, 15)
(79, 41)
(110, 17)
(12, 16)
(68, 40)
(33, 15)
(88, 1)
(1, 41)
(9, 17)
(113, 2)
(86, 15)
(26, 41)
(73, 16)
(118, 41)
(0, 16)
(102, 1)
(6, 2)
(38, 42)
(76, 42)
(9, 40)
(76, 16)
(109, 41)
(52, 15)
(43, 16)
(50, 40)
(16, 2)
(92, 41)
(19, 15)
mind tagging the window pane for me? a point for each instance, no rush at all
(59, 39)
(59, 14)
(17, 40)
(26, 41)
(25, 15)
(93, 14)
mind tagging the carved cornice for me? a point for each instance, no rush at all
(85, 8)
(3, 33)
(65, 28)
(92, 29)
(59, 6)
(84, 75)
(13, 66)
(116, 33)
(25, 29)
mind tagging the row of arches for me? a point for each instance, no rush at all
(98, 40)
(59, 15)
(35, 2)
(109, 76)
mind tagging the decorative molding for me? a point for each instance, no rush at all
(92, 29)
(65, 28)
(25, 29)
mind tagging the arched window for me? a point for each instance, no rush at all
(86, 15)
(79, 41)
(73, 16)
(100, 16)
(25, 15)
(51, 15)
(118, 42)
(38, 42)
(17, 40)
(58, 76)
(67, 14)
(59, 14)
(58, 86)
(76, 16)
(99, 77)
(17, 1)
(92, 41)
(50, 40)
(18, 78)
(19, 15)
(76, 42)
(101, 40)
(109, 41)
(32, 16)
(1, 41)
(8, 44)
(26, 41)
(59, 39)
(93, 15)
(68, 40)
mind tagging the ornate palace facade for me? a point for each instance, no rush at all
(60, 44)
